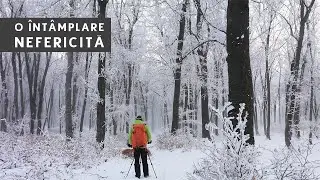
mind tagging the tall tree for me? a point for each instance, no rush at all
(86, 76)
(311, 108)
(21, 85)
(68, 85)
(86, 73)
(267, 76)
(130, 65)
(41, 91)
(75, 86)
(177, 71)
(202, 54)
(292, 87)
(239, 69)
(101, 84)
(15, 79)
(255, 104)
(49, 108)
(4, 95)
(15, 13)
(32, 76)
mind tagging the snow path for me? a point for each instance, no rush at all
(168, 166)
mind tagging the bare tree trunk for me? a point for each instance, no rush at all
(101, 105)
(41, 91)
(239, 70)
(74, 85)
(202, 54)
(90, 119)
(87, 70)
(275, 112)
(114, 122)
(144, 99)
(292, 85)
(192, 103)
(279, 97)
(32, 73)
(68, 86)
(128, 91)
(223, 91)
(4, 96)
(49, 109)
(177, 71)
(145, 102)
(316, 110)
(216, 99)
(185, 103)
(112, 104)
(296, 116)
(165, 109)
(37, 60)
(264, 105)
(256, 125)
(75, 88)
(204, 96)
(21, 85)
(16, 86)
(60, 123)
(311, 109)
(86, 76)
(68, 96)
(101, 85)
(268, 79)
(135, 102)
(130, 65)
(14, 13)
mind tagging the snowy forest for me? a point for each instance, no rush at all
(229, 88)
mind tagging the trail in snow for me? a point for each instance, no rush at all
(168, 166)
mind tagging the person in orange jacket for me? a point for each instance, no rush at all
(139, 137)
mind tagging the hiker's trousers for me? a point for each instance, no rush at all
(143, 153)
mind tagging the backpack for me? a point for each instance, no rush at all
(139, 136)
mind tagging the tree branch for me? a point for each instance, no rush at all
(208, 41)
(290, 26)
(309, 8)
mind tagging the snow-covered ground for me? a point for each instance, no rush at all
(177, 164)
(56, 162)
(168, 165)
